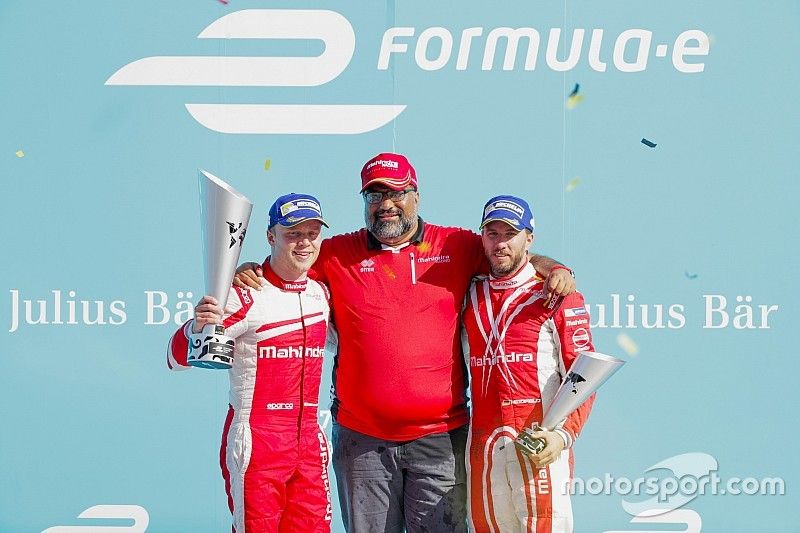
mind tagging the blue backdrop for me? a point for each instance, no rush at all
(99, 168)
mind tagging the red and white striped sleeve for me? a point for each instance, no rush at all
(234, 320)
(572, 323)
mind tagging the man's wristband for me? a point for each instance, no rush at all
(562, 267)
(564, 434)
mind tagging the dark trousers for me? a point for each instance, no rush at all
(388, 486)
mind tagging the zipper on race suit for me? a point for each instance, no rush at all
(302, 367)
(413, 270)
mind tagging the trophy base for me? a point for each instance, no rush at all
(528, 444)
(213, 365)
(211, 348)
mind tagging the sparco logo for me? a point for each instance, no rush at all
(280, 406)
(245, 296)
(231, 71)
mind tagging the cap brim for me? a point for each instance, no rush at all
(292, 224)
(391, 183)
(503, 219)
(301, 215)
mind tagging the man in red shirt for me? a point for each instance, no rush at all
(518, 349)
(397, 288)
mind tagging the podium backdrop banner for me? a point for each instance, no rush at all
(655, 141)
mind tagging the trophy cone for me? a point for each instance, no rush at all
(224, 215)
(587, 373)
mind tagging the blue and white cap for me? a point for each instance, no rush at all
(509, 209)
(293, 208)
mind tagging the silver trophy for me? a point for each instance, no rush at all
(587, 373)
(224, 215)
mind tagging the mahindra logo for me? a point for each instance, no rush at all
(232, 71)
(383, 163)
(289, 352)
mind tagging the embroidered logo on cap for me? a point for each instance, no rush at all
(510, 206)
(288, 207)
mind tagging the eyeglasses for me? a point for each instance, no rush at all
(376, 197)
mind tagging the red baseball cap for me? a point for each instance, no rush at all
(388, 169)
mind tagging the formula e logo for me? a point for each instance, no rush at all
(330, 27)
(108, 513)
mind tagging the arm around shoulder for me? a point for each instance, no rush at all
(559, 279)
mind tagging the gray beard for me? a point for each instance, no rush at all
(390, 229)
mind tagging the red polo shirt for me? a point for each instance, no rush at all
(399, 372)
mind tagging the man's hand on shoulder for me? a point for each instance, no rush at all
(249, 275)
(560, 282)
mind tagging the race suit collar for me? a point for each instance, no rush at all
(375, 244)
(513, 281)
(274, 279)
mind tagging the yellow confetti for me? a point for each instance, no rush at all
(267, 164)
(627, 344)
(424, 246)
(574, 182)
(20, 153)
(574, 100)
(389, 272)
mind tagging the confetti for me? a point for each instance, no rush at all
(573, 101)
(389, 272)
(690, 276)
(573, 183)
(267, 164)
(20, 153)
(627, 344)
(223, 2)
(651, 144)
(575, 90)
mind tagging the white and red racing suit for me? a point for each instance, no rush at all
(517, 351)
(274, 456)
